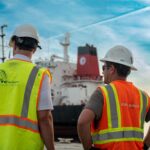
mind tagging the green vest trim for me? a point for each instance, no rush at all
(115, 132)
(113, 108)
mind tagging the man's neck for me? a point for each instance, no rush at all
(116, 77)
(24, 52)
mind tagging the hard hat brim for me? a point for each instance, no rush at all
(11, 44)
(122, 63)
(39, 47)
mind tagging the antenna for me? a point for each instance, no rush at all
(2, 36)
(65, 44)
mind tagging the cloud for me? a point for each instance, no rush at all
(144, 1)
(141, 77)
(9, 4)
(68, 2)
(87, 24)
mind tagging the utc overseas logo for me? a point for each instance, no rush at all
(3, 76)
(4, 81)
(82, 61)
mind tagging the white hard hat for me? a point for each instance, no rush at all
(25, 30)
(121, 55)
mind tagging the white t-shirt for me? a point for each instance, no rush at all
(45, 101)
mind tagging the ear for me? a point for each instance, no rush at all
(14, 45)
(34, 50)
(112, 69)
(14, 48)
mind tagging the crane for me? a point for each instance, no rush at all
(65, 44)
(2, 36)
(55, 56)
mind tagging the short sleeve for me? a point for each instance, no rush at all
(96, 103)
(45, 100)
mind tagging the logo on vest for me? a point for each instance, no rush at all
(4, 80)
(130, 105)
(3, 76)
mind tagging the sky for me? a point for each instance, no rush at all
(102, 23)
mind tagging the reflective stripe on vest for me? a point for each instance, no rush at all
(117, 136)
(115, 132)
(19, 122)
(28, 90)
(113, 108)
(22, 121)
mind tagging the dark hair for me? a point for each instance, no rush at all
(122, 70)
(25, 43)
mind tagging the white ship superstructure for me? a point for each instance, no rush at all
(72, 83)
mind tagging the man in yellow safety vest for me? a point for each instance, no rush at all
(26, 121)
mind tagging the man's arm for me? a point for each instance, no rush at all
(45, 121)
(83, 126)
(147, 119)
(92, 110)
(147, 139)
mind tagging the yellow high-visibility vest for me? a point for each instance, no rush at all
(20, 83)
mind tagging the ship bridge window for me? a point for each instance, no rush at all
(52, 94)
(64, 71)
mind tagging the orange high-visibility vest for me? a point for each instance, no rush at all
(123, 115)
(20, 83)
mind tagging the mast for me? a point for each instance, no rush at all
(2, 37)
(66, 44)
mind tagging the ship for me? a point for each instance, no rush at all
(72, 86)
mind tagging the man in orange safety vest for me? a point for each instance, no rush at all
(113, 119)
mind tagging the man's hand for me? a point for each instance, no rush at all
(147, 139)
(93, 148)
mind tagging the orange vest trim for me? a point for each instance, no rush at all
(19, 122)
(47, 72)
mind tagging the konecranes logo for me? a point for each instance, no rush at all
(3, 78)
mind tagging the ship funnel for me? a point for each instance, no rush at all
(87, 65)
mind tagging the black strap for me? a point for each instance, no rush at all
(145, 147)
